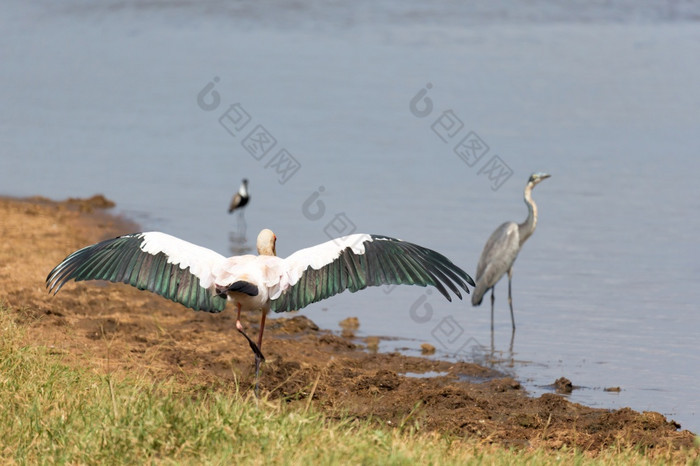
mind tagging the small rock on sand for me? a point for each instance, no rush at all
(351, 323)
(563, 385)
(372, 344)
(427, 348)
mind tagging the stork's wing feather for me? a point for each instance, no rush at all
(163, 264)
(357, 261)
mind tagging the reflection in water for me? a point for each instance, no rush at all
(238, 241)
(489, 356)
(507, 360)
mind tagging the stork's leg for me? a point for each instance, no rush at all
(262, 328)
(510, 299)
(259, 356)
(493, 290)
(253, 346)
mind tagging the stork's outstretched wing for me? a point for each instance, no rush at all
(357, 261)
(154, 261)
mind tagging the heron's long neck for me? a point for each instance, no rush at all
(527, 228)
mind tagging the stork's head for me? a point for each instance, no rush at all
(537, 177)
(266, 243)
(245, 181)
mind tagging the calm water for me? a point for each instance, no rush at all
(102, 97)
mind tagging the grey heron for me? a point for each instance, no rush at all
(502, 249)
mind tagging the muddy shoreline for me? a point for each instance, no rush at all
(117, 329)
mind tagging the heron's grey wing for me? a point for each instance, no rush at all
(498, 256)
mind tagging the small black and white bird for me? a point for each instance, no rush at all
(241, 198)
(204, 280)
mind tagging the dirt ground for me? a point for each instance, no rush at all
(118, 329)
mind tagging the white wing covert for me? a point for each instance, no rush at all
(357, 261)
(154, 261)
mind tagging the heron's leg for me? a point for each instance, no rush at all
(510, 299)
(510, 348)
(493, 290)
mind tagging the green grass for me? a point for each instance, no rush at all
(53, 413)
